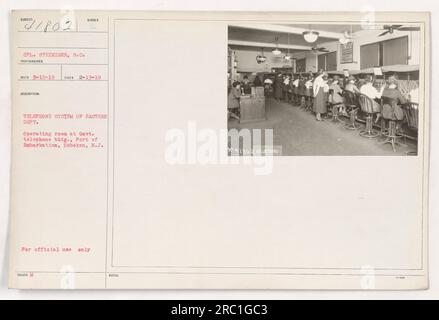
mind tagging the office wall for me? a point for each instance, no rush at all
(362, 38)
(311, 60)
(247, 61)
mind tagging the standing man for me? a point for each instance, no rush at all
(246, 87)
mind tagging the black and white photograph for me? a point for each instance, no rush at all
(327, 89)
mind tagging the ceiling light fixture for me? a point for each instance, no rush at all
(310, 36)
(276, 51)
(261, 58)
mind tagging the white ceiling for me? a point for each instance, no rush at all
(340, 28)
(264, 36)
(246, 36)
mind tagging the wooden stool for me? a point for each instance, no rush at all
(383, 130)
(368, 107)
(335, 113)
(350, 101)
(392, 136)
(369, 132)
(352, 125)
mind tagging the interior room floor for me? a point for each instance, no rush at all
(300, 134)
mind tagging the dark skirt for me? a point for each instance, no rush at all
(278, 94)
(319, 105)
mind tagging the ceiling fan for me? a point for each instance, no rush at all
(316, 49)
(399, 27)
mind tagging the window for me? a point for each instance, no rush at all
(370, 55)
(384, 53)
(321, 62)
(331, 61)
(301, 65)
(395, 51)
(327, 61)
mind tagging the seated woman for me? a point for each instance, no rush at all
(291, 90)
(296, 90)
(336, 96)
(350, 85)
(309, 90)
(234, 100)
(392, 100)
(286, 88)
(370, 91)
(302, 91)
(308, 83)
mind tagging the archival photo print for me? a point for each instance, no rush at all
(325, 89)
(292, 154)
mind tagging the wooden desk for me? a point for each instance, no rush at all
(252, 108)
